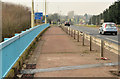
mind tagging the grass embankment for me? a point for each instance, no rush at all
(15, 18)
(97, 25)
(94, 26)
(118, 25)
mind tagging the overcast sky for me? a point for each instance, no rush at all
(80, 7)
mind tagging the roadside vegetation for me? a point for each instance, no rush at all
(15, 18)
(112, 14)
(118, 25)
(94, 26)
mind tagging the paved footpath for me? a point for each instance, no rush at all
(60, 50)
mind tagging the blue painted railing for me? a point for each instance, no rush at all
(13, 48)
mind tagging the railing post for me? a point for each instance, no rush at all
(101, 48)
(78, 36)
(74, 34)
(83, 39)
(90, 43)
(69, 30)
(65, 29)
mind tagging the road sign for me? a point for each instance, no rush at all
(39, 15)
(46, 15)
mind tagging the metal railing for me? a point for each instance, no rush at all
(100, 42)
(13, 48)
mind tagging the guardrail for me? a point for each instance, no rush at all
(13, 48)
(102, 43)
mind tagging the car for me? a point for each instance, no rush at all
(108, 27)
(67, 23)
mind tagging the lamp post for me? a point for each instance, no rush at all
(32, 14)
(45, 13)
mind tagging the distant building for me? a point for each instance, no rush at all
(86, 18)
(71, 15)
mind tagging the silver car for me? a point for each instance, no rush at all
(108, 27)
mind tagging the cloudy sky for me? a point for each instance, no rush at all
(80, 7)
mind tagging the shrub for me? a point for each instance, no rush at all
(15, 18)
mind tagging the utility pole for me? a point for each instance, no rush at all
(32, 14)
(45, 13)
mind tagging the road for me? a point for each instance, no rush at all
(94, 32)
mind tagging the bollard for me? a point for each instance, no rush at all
(78, 36)
(74, 34)
(83, 40)
(90, 43)
(101, 48)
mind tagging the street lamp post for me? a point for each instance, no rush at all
(32, 14)
(45, 13)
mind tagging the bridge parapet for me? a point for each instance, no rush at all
(13, 48)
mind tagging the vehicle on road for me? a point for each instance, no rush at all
(108, 27)
(67, 23)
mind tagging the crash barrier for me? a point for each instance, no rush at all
(100, 42)
(12, 49)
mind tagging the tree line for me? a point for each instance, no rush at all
(112, 14)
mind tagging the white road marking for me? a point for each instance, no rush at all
(112, 40)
